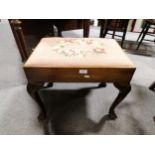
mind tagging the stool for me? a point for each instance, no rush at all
(148, 24)
(78, 60)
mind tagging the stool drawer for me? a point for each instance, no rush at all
(79, 74)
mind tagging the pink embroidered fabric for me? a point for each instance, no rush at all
(78, 53)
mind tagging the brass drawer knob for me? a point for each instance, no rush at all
(87, 76)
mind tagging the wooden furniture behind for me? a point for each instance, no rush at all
(19, 38)
(114, 25)
(78, 60)
(41, 28)
(148, 24)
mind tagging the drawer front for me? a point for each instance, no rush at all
(80, 74)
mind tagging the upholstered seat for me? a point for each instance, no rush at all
(78, 53)
(79, 60)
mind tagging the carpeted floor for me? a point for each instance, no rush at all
(74, 110)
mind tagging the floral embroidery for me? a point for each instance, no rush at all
(79, 47)
(99, 50)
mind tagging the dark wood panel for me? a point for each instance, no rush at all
(30, 26)
(123, 75)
